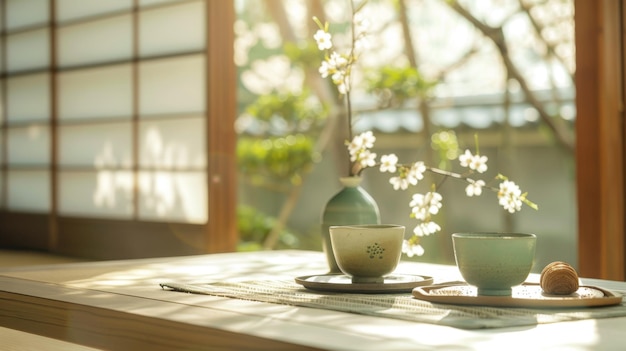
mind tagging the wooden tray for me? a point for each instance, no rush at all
(394, 283)
(525, 295)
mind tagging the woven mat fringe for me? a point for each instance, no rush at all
(397, 306)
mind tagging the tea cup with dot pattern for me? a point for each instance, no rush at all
(367, 252)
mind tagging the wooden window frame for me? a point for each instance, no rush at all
(99, 238)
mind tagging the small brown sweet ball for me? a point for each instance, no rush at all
(559, 278)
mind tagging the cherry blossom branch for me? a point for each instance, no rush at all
(423, 206)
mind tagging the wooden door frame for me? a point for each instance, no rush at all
(221, 78)
(600, 138)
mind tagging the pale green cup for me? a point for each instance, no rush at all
(367, 252)
(494, 262)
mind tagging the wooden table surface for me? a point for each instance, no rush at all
(119, 305)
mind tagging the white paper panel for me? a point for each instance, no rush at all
(102, 146)
(28, 191)
(172, 29)
(157, 2)
(172, 85)
(95, 93)
(104, 193)
(24, 13)
(99, 41)
(173, 196)
(28, 98)
(74, 9)
(173, 144)
(28, 50)
(29, 145)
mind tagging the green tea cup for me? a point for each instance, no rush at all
(494, 262)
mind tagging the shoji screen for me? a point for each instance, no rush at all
(107, 127)
(26, 108)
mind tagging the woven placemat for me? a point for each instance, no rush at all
(398, 306)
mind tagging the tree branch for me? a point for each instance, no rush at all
(497, 37)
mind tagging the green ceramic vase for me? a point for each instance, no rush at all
(351, 205)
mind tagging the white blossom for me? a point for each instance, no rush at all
(325, 69)
(388, 163)
(476, 162)
(408, 176)
(323, 39)
(339, 78)
(426, 228)
(510, 196)
(334, 64)
(367, 158)
(466, 158)
(479, 163)
(368, 139)
(363, 141)
(399, 183)
(422, 206)
(475, 188)
(342, 87)
(359, 149)
(336, 61)
(417, 172)
(411, 249)
(355, 146)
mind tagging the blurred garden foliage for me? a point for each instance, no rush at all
(422, 54)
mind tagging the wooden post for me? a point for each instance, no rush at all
(600, 138)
